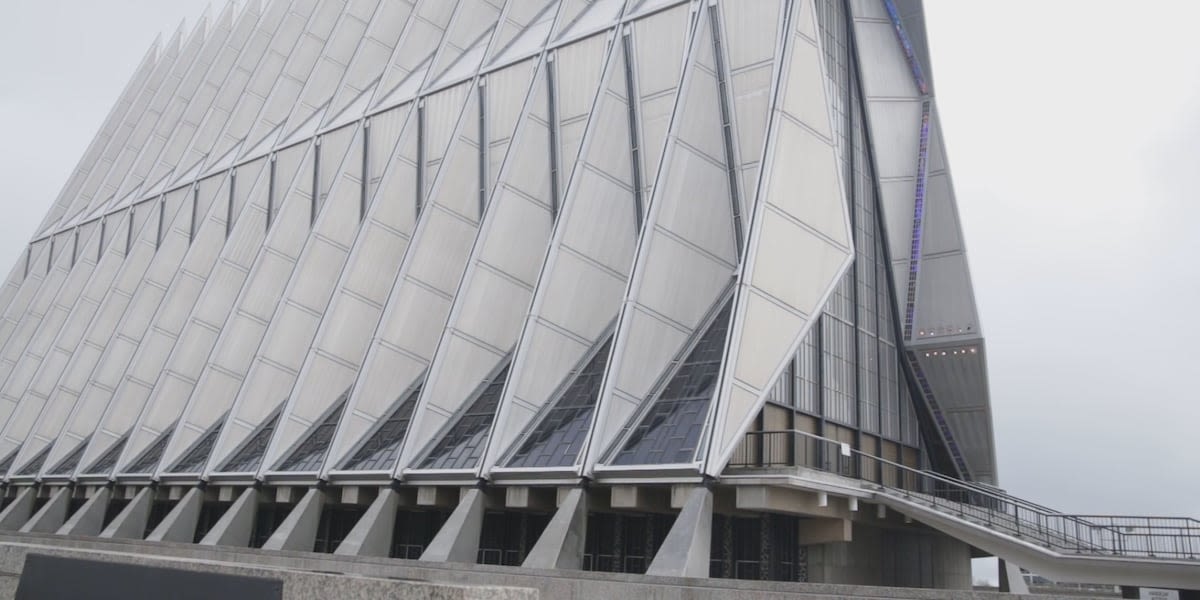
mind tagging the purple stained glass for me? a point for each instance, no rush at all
(909, 53)
(914, 257)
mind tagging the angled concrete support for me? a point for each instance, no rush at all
(89, 519)
(180, 524)
(131, 522)
(685, 551)
(17, 512)
(52, 514)
(299, 530)
(235, 526)
(372, 534)
(458, 539)
(1011, 580)
(561, 543)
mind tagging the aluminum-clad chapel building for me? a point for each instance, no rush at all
(645, 286)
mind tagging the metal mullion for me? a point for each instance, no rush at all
(635, 149)
(420, 178)
(314, 206)
(552, 126)
(365, 175)
(481, 90)
(229, 206)
(726, 128)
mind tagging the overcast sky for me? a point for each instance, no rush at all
(1073, 132)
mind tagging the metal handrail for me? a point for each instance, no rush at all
(1107, 535)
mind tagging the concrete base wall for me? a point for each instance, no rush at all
(297, 585)
(550, 584)
(892, 557)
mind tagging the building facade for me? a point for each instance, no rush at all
(645, 286)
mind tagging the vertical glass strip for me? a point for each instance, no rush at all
(552, 127)
(635, 150)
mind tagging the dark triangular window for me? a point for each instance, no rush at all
(195, 458)
(148, 461)
(309, 455)
(67, 465)
(7, 463)
(670, 432)
(32, 467)
(462, 445)
(557, 439)
(108, 460)
(379, 451)
(250, 455)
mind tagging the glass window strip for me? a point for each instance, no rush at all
(194, 459)
(462, 444)
(310, 454)
(108, 460)
(150, 457)
(557, 438)
(249, 456)
(379, 450)
(669, 432)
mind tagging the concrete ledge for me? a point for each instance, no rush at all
(297, 585)
(551, 583)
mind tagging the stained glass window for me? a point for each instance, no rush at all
(67, 465)
(108, 460)
(309, 455)
(147, 462)
(670, 432)
(250, 455)
(381, 448)
(195, 457)
(462, 445)
(32, 467)
(557, 439)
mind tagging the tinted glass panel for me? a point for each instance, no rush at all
(195, 458)
(669, 433)
(150, 457)
(379, 451)
(32, 467)
(67, 465)
(6, 464)
(108, 460)
(309, 455)
(250, 455)
(462, 445)
(558, 437)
